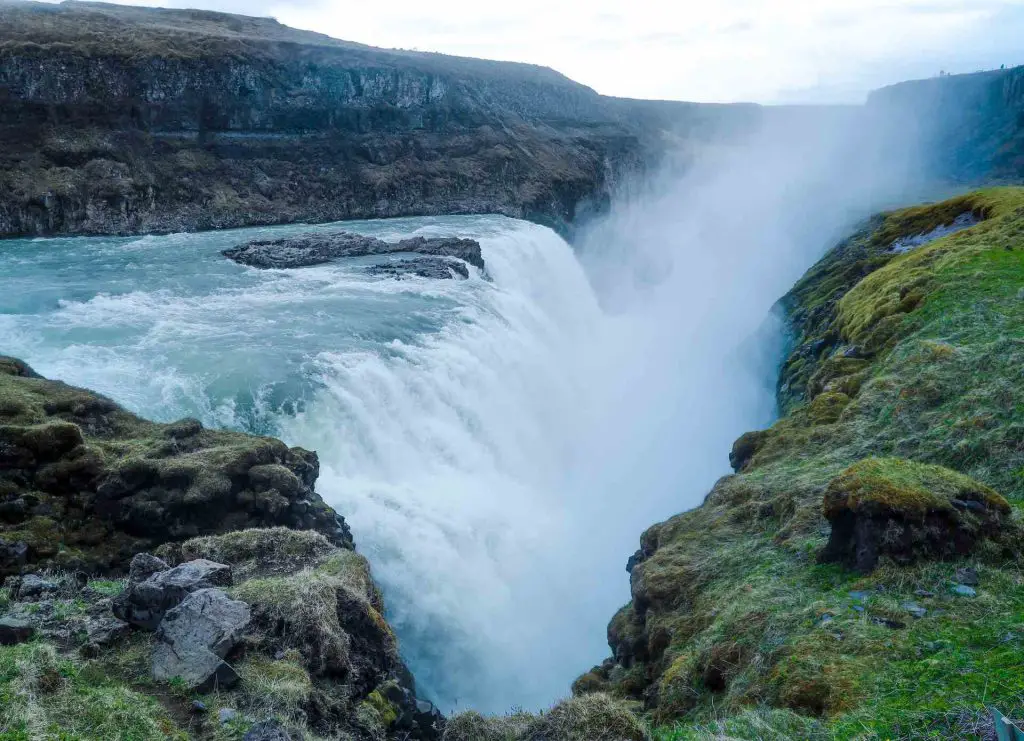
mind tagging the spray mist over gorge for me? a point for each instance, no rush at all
(496, 446)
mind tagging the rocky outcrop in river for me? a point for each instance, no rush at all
(316, 248)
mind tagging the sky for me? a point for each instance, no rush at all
(764, 51)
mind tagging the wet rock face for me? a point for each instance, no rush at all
(424, 267)
(84, 484)
(316, 248)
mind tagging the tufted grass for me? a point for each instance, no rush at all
(44, 695)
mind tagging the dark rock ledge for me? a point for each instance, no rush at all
(85, 484)
(442, 254)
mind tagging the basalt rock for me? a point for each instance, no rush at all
(316, 248)
(14, 630)
(144, 603)
(85, 484)
(129, 120)
(196, 636)
(424, 267)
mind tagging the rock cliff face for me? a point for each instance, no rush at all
(126, 120)
(972, 126)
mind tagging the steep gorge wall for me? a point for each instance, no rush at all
(971, 126)
(126, 120)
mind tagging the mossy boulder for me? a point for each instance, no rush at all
(85, 484)
(744, 449)
(907, 511)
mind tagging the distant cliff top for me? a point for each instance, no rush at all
(100, 29)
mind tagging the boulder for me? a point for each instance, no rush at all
(143, 566)
(34, 587)
(145, 602)
(196, 636)
(13, 555)
(907, 511)
(14, 630)
(745, 447)
(106, 631)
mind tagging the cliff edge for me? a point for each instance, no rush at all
(858, 576)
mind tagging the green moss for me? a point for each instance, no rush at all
(261, 550)
(827, 407)
(386, 712)
(591, 717)
(905, 487)
(280, 688)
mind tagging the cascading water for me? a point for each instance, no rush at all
(447, 414)
(497, 446)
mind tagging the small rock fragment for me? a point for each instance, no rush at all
(967, 576)
(267, 730)
(963, 590)
(914, 609)
(198, 706)
(143, 566)
(226, 715)
(33, 587)
(106, 631)
(14, 631)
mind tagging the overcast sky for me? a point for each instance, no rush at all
(764, 51)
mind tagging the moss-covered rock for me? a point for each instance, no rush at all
(85, 484)
(907, 511)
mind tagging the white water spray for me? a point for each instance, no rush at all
(497, 447)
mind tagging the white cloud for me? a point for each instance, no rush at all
(760, 50)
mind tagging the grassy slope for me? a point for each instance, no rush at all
(735, 627)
